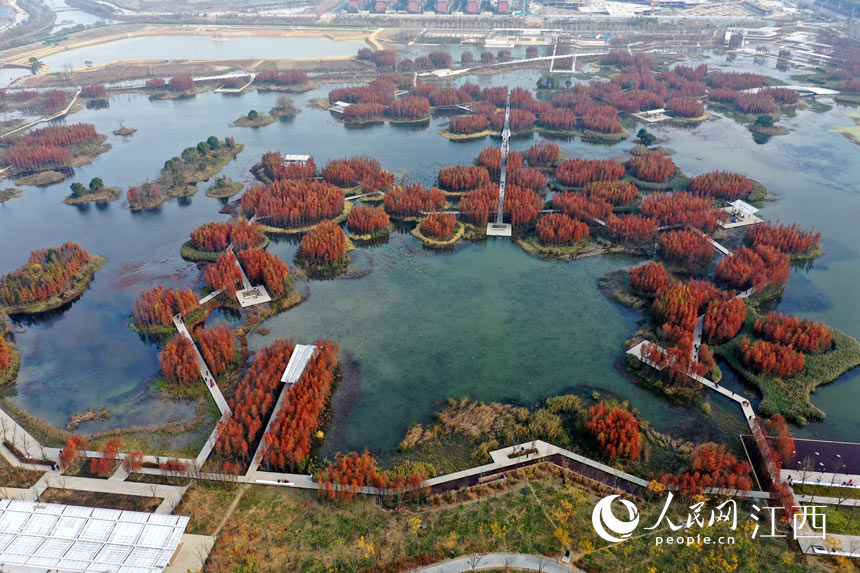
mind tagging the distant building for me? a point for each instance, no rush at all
(297, 159)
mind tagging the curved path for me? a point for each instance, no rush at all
(480, 562)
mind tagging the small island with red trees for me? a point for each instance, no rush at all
(366, 223)
(179, 176)
(324, 250)
(439, 230)
(210, 240)
(154, 308)
(49, 154)
(50, 279)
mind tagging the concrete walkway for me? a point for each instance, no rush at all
(478, 562)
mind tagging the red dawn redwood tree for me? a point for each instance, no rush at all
(652, 166)
(753, 268)
(682, 209)
(223, 274)
(630, 228)
(156, 306)
(615, 430)
(681, 303)
(177, 361)
(325, 243)
(649, 278)
(409, 107)
(211, 237)
(289, 439)
(467, 124)
(293, 203)
(217, 346)
(787, 238)
(804, 335)
(253, 401)
(410, 200)
(528, 178)
(581, 172)
(560, 229)
(182, 83)
(364, 219)
(246, 234)
(460, 178)
(770, 358)
(579, 205)
(491, 158)
(615, 192)
(724, 318)
(439, 225)
(267, 268)
(685, 247)
(48, 273)
(721, 185)
(543, 154)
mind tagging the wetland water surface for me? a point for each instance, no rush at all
(486, 321)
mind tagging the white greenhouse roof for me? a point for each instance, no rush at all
(40, 536)
(744, 207)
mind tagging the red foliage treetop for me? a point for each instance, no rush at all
(48, 273)
(491, 158)
(713, 466)
(267, 268)
(156, 306)
(724, 318)
(461, 178)
(177, 361)
(649, 278)
(615, 430)
(804, 335)
(580, 172)
(293, 203)
(652, 166)
(543, 153)
(289, 440)
(364, 219)
(560, 229)
(770, 358)
(439, 225)
(324, 243)
(753, 268)
(680, 303)
(223, 274)
(211, 237)
(787, 238)
(722, 185)
(682, 209)
(410, 200)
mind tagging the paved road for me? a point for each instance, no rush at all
(499, 561)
